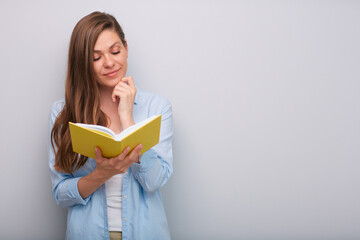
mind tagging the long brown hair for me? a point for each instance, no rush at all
(82, 96)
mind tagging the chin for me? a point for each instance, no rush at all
(110, 82)
(116, 81)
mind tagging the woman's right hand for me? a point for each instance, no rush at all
(107, 167)
(124, 92)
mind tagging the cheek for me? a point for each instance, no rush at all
(124, 62)
(97, 68)
(121, 58)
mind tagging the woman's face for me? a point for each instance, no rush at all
(110, 59)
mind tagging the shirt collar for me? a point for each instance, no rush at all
(136, 98)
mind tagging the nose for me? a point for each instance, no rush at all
(109, 62)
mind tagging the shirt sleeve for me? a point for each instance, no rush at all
(156, 164)
(64, 185)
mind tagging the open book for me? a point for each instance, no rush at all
(85, 137)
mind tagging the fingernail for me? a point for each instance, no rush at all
(127, 149)
(141, 146)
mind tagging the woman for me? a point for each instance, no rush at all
(107, 198)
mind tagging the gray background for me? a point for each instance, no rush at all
(266, 110)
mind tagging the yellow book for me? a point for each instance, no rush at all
(85, 137)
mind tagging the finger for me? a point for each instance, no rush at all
(98, 154)
(135, 153)
(121, 162)
(137, 157)
(118, 91)
(122, 94)
(113, 96)
(126, 79)
(138, 148)
(123, 85)
(130, 82)
(123, 154)
(125, 98)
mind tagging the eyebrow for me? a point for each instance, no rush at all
(113, 45)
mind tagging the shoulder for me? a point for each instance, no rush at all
(56, 108)
(59, 104)
(152, 101)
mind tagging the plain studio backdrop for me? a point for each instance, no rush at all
(266, 106)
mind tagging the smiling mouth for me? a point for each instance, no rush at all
(111, 74)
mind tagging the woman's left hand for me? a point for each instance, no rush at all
(125, 92)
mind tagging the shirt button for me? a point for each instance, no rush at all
(125, 197)
(126, 173)
(124, 219)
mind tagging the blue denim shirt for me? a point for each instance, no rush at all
(143, 214)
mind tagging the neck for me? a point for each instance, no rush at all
(105, 97)
(105, 91)
(110, 109)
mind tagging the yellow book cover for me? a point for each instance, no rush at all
(85, 137)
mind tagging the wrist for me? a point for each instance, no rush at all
(99, 176)
(127, 122)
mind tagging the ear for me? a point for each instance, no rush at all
(126, 43)
(126, 47)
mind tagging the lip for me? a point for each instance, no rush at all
(111, 74)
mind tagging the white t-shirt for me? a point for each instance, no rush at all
(113, 188)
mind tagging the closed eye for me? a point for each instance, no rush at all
(95, 59)
(116, 52)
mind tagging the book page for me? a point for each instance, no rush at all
(98, 128)
(133, 128)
